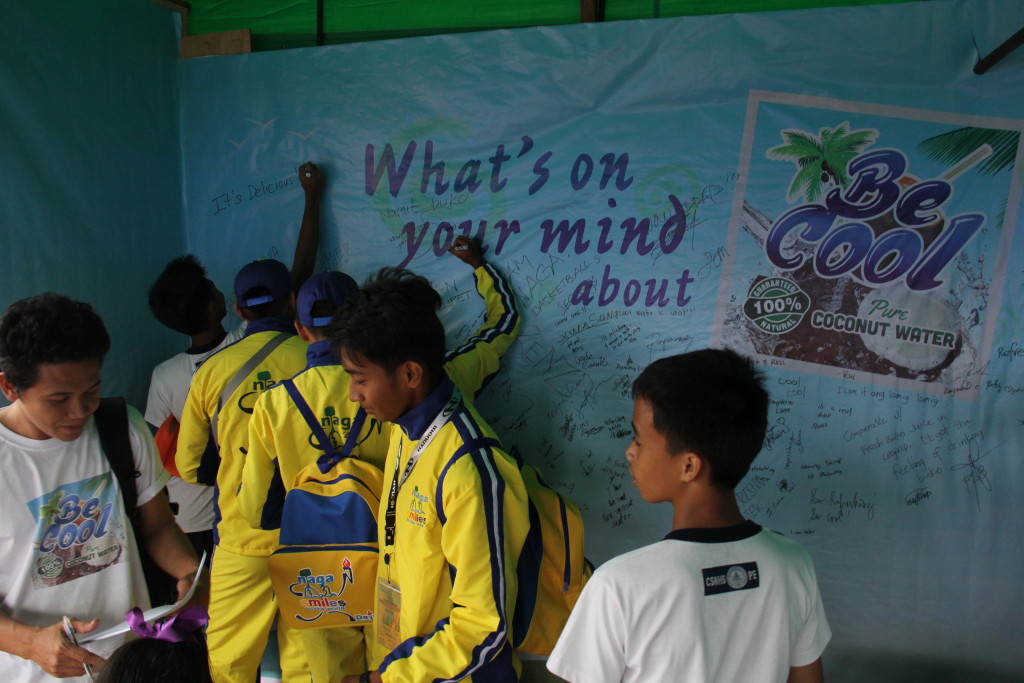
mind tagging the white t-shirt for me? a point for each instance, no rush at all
(167, 391)
(66, 544)
(739, 604)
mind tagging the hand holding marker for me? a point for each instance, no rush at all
(69, 631)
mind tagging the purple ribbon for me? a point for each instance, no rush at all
(176, 628)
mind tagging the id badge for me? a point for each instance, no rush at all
(389, 612)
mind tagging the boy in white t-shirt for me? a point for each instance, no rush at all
(65, 535)
(721, 599)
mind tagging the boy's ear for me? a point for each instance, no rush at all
(10, 393)
(691, 466)
(412, 373)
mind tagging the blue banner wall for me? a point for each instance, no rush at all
(90, 167)
(647, 188)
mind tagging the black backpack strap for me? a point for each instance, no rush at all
(112, 424)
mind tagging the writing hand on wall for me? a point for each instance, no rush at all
(311, 178)
(468, 251)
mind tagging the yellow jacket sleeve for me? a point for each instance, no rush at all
(471, 365)
(196, 457)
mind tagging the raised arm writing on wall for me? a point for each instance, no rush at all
(472, 364)
(313, 181)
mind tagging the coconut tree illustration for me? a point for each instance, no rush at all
(49, 512)
(820, 159)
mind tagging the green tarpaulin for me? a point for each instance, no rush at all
(280, 24)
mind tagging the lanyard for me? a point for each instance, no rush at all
(390, 515)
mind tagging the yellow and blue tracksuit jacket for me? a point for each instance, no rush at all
(462, 518)
(222, 466)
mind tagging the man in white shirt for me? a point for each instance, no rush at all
(67, 540)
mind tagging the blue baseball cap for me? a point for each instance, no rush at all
(270, 276)
(330, 286)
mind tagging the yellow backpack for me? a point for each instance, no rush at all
(325, 572)
(552, 569)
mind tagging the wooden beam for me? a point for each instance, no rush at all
(235, 42)
(319, 22)
(588, 11)
(224, 43)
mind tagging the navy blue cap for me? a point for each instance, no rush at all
(270, 275)
(331, 286)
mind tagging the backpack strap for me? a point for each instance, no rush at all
(242, 373)
(331, 454)
(566, 540)
(353, 433)
(112, 424)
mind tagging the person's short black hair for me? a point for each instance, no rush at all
(48, 328)
(181, 297)
(390, 320)
(710, 402)
(148, 660)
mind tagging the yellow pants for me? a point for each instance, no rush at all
(242, 610)
(334, 652)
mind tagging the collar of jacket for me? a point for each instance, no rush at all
(416, 421)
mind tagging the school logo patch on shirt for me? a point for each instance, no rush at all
(264, 380)
(331, 422)
(417, 508)
(731, 577)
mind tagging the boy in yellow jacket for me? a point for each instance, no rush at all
(454, 511)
